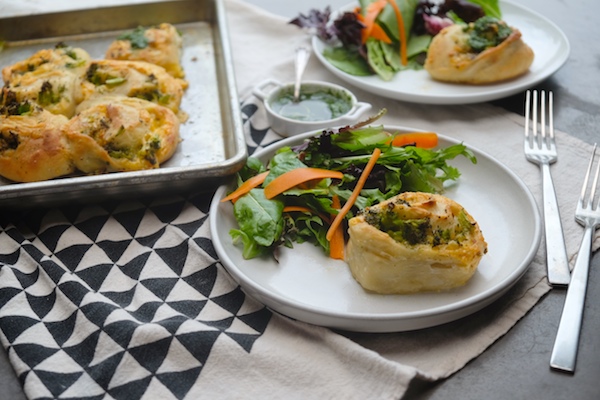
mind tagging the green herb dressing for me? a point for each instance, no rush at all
(314, 104)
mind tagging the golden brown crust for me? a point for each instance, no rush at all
(33, 148)
(385, 265)
(51, 78)
(135, 79)
(118, 133)
(164, 49)
(72, 59)
(57, 91)
(450, 58)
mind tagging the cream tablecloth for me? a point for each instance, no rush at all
(128, 300)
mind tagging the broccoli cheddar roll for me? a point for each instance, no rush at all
(121, 133)
(414, 242)
(483, 52)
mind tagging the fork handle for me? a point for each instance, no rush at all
(556, 252)
(564, 353)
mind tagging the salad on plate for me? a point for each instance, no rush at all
(308, 192)
(384, 37)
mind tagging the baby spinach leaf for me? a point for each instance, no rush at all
(259, 218)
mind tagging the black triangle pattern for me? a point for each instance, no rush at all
(14, 234)
(98, 312)
(199, 346)
(131, 390)
(139, 311)
(121, 331)
(179, 383)
(206, 245)
(33, 354)
(150, 240)
(42, 305)
(175, 257)
(167, 213)
(72, 255)
(201, 202)
(123, 298)
(51, 236)
(95, 275)
(75, 291)
(8, 293)
(192, 227)
(57, 382)
(114, 249)
(14, 325)
(189, 308)
(92, 227)
(134, 268)
(231, 301)
(104, 371)
(152, 355)
(26, 279)
(145, 313)
(130, 219)
(61, 331)
(161, 287)
(81, 352)
(54, 271)
(10, 258)
(203, 280)
(173, 323)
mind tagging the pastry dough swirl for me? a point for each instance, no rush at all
(414, 242)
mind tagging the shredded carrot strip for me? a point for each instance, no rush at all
(355, 193)
(401, 32)
(369, 18)
(336, 243)
(246, 187)
(378, 33)
(296, 177)
(426, 140)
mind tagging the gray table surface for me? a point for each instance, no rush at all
(517, 365)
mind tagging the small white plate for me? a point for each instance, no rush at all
(309, 286)
(550, 46)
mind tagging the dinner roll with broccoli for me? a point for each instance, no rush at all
(414, 242)
(482, 52)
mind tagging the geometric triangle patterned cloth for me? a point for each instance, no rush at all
(117, 299)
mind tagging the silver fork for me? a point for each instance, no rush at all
(564, 353)
(541, 149)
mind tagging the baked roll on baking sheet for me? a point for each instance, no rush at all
(33, 148)
(50, 78)
(160, 45)
(414, 242)
(118, 133)
(61, 57)
(134, 79)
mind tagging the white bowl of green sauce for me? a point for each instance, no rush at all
(321, 105)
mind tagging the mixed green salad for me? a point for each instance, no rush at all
(384, 37)
(299, 193)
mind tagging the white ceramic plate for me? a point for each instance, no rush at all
(309, 286)
(549, 43)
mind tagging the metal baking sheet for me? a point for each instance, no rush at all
(212, 147)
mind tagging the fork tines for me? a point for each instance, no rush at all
(590, 201)
(534, 116)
